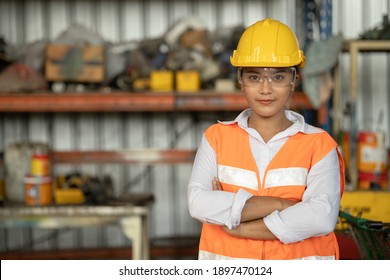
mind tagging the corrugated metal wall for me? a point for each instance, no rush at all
(120, 20)
(352, 18)
(23, 22)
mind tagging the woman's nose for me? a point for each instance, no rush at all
(265, 87)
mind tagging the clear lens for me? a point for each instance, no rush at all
(276, 77)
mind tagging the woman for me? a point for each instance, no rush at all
(267, 185)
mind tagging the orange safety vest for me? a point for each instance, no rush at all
(296, 157)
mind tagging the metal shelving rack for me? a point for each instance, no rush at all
(354, 48)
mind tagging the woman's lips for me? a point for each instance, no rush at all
(265, 101)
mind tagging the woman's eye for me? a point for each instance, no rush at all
(278, 78)
(254, 78)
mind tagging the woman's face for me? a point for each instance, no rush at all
(268, 90)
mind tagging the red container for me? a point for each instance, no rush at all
(371, 180)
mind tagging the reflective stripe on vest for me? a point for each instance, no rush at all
(237, 176)
(275, 178)
(292, 176)
(284, 177)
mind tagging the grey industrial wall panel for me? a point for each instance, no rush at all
(23, 22)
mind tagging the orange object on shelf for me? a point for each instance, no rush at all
(38, 190)
(371, 152)
(120, 101)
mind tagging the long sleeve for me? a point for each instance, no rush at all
(317, 214)
(206, 205)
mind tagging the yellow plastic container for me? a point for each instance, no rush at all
(161, 81)
(187, 81)
(69, 196)
(40, 165)
(373, 205)
(141, 84)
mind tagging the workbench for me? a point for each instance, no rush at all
(132, 218)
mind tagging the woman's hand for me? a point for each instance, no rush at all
(258, 207)
(216, 185)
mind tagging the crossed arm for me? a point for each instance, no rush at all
(315, 215)
(252, 225)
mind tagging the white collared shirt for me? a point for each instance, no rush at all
(319, 208)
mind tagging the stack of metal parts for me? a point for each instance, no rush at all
(379, 32)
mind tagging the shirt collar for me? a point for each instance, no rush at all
(299, 124)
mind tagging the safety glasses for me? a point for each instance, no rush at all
(276, 77)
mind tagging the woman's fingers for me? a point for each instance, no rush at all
(216, 185)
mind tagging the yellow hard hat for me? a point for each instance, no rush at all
(268, 43)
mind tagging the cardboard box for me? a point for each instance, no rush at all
(74, 63)
(187, 81)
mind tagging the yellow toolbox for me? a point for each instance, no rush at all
(68, 196)
(187, 81)
(161, 81)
